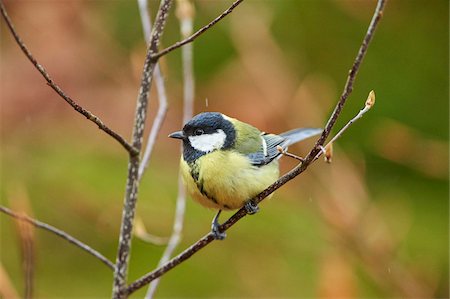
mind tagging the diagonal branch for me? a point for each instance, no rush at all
(348, 88)
(59, 91)
(59, 233)
(368, 105)
(208, 238)
(131, 192)
(198, 33)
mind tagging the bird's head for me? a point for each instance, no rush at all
(205, 133)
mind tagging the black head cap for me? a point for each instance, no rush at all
(206, 123)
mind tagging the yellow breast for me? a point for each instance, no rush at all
(226, 180)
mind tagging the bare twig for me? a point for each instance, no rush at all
(59, 91)
(175, 238)
(368, 105)
(208, 238)
(160, 114)
(131, 193)
(186, 15)
(140, 232)
(348, 88)
(185, 11)
(288, 154)
(160, 88)
(145, 20)
(198, 33)
(59, 233)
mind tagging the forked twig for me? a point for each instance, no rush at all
(58, 90)
(198, 32)
(208, 238)
(131, 192)
(59, 233)
(348, 88)
(368, 105)
(160, 88)
(185, 11)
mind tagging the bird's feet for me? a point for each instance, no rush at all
(251, 207)
(218, 235)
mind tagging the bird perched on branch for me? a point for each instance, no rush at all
(226, 162)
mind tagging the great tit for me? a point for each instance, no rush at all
(226, 162)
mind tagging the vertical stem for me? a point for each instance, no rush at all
(185, 12)
(160, 88)
(131, 191)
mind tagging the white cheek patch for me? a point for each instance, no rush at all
(208, 142)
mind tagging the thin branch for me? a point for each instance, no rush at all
(284, 152)
(141, 233)
(145, 20)
(59, 233)
(175, 238)
(185, 11)
(59, 91)
(368, 105)
(198, 33)
(160, 88)
(131, 193)
(208, 238)
(186, 14)
(348, 88)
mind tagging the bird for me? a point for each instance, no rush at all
(226, 162)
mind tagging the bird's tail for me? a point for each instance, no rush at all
(297, 135)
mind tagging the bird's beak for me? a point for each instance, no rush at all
(177, 135)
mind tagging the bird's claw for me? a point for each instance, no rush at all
(251, 208)
(217, 234)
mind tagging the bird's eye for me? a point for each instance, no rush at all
(198, 132)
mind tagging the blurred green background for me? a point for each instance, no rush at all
(372, 224)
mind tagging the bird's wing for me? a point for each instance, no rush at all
(268, 150)
(298, 135)
(269, 144)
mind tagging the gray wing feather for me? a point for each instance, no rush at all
(269, 151)
(298, 135)
(269, 148)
